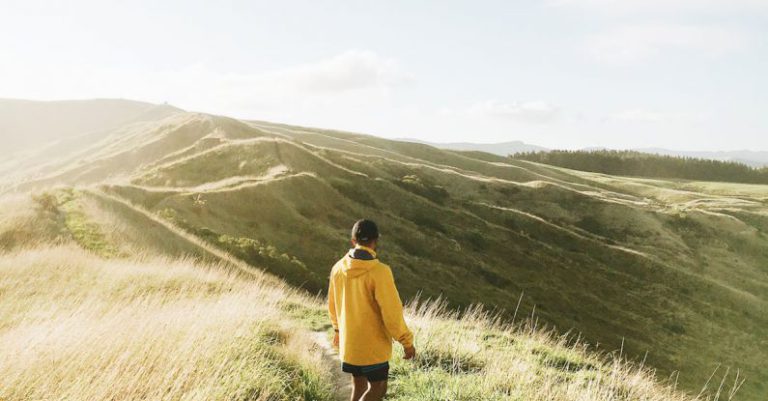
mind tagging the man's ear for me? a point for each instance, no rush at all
(353, 242)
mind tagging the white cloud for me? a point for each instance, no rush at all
(348, 71)
(643, 115)
(631, 43)
(536, 112)
(639, 115)
(345, 81)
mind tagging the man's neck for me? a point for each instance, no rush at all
(368, 249)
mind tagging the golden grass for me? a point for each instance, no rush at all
(77, 327)
(21, 225)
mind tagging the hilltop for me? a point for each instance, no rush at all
(34, 133)
(26, 124)
(657, 267)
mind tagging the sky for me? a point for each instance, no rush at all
(565, 74)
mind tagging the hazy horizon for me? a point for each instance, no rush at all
(567, 74)
(416, 139)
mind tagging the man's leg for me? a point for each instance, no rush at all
(359, 387)
(376, 392)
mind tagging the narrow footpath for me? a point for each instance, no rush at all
(341, 382)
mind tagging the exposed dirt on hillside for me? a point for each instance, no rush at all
(342, 383)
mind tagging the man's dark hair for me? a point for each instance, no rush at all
(365, 231)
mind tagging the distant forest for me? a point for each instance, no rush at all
(633, 163)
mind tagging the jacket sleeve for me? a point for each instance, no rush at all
(332, 305)
(391, 307)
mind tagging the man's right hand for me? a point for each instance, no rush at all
(410, 352)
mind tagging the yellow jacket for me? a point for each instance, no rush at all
(365, 308)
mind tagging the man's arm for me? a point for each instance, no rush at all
(332, 305)
(392, 308)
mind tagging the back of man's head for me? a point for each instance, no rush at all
(364, 232)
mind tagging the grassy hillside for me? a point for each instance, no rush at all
(28, 124)
(660, 268)
(35, 137)
(80, 323)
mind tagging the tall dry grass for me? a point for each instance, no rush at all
(74, 326)
(25, 224)
(475, 356)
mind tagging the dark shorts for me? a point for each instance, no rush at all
(373, 373)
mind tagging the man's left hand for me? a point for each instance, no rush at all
(410, 353)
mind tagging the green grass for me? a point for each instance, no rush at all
(85, 232)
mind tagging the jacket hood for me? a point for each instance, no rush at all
(353, 265)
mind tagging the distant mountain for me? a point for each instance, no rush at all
(749, 157)
(500, 148)
(36, 136)
(27, 125)
(632, 163)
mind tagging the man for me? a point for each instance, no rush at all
(367, 314)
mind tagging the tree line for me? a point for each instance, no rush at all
(633, 163)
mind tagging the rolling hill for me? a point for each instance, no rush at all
(102, 300)
(672, 272)
(27, 124)
(33, 133)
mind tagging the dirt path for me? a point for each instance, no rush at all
(341, 382)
